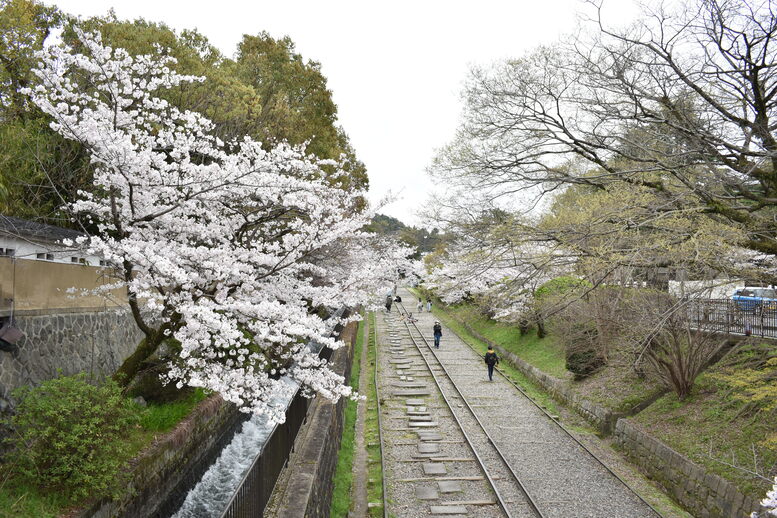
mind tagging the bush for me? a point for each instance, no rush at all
(583, 363)
(68, 436)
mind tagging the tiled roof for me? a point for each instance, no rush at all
(15, 227)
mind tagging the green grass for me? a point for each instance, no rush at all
(371, 432)
(163, 417)
(20, 501)
(713, 424)
(343, 478)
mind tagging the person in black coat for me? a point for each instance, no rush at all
(491, 359)
(437, 333)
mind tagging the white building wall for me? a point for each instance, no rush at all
(28, 249)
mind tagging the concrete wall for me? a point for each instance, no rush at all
(43, 285)
(92, 342)
(307, 492)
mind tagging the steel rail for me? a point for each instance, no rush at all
(565, 430)
(373, 331)
(501, 501)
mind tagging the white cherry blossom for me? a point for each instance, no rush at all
(224, 247)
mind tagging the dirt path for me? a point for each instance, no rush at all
(359, 496)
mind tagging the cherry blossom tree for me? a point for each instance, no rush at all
(224, 248)
(500, 261)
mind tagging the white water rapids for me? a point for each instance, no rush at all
(208, 499)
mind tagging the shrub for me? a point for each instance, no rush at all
(583, 363)
(68, 436)
(554, 296)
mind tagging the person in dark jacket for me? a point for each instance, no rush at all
(437, 333)
(389, 300)
(491, 359)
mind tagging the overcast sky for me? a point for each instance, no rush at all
(395, 68)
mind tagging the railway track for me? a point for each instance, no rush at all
(511, 495)
(535, 466)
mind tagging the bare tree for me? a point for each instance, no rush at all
(681, 104)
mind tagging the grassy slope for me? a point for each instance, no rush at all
(713, 424)
(343, 478)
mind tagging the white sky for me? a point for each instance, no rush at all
(395, 68)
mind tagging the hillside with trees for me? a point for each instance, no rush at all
(420, 238)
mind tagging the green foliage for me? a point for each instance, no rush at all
(560, 286)
(269, 93)
(422, 239)
(69, 435)
(163, 417)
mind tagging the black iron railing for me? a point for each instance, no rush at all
(251, 497)
(732, 317)
(253, 492)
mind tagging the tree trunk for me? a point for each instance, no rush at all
(541, 333)
(131, 366)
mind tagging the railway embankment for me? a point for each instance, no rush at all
(698, 487)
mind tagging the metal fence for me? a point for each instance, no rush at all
(253, 492)
(729, 317)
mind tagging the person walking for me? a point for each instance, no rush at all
(491, 359)
(420, 305)
(389, 300)
(437, 334)
(429, 305)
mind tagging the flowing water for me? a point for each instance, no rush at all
(209, 497)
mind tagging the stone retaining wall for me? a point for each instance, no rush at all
(308, 490)
(704, 494)
(174, 463)
(95, 342)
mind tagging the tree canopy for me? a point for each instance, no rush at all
(268, 92)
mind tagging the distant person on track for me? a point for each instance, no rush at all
(389, 300)
(491, 359)
(397, 299)
(429, 305)
(437, 334)
(420, 305)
